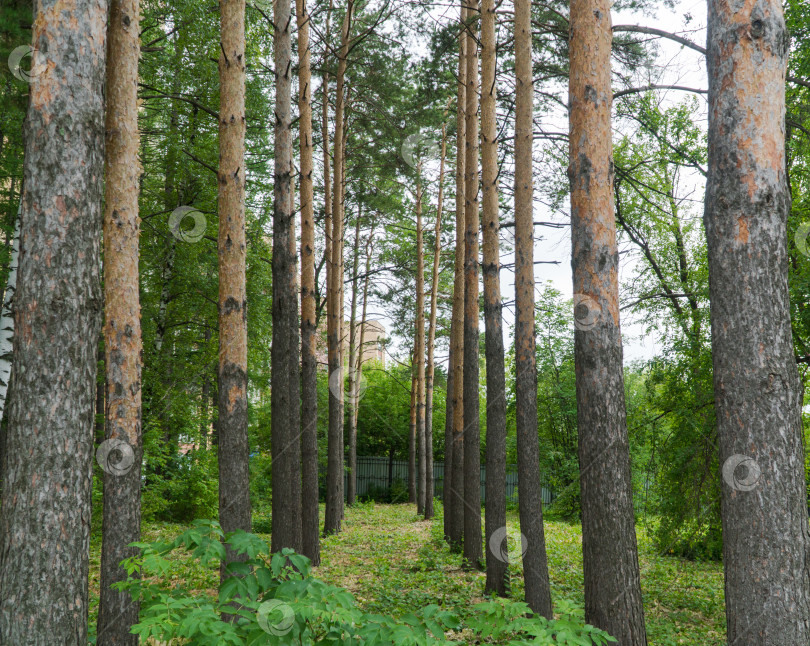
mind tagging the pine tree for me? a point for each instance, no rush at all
(495, 517)
(122, 330)
(454, 508)
(45, 518)
(530, 501)
(309, 361)
(285, 396)
(612, 586)
(472, 431)
(766, 541)
(234, 486)
(334, 476)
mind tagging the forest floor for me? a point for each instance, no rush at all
(394, 562)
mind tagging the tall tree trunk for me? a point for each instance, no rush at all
(766, 543)
(121, 524)
(233, 450)
(495, 517)
(309, 362)
(285, 394)
(472, 431)
(351, 473)
(455, 498)
(45, 519)
(530, 500)
(412, 470)
(7, 316)
(431, 344)
(342, 295)
(612, 587)
(334, 476)
(419, 350)
(356, 393)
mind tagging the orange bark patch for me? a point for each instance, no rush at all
(742, 230)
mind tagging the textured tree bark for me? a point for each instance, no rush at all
(351, 472)
(535, 563)
(419, 351)
(431, 343)
(472, 431)
(310, 540)
(612, 587)
(456, 483)
(233, 450)
(497, 561)
(334, 476)
(45, 518)
(766, 543)
(285, 394)
(121, 523)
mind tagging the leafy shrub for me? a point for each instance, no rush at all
(273, 599)
(262, 520)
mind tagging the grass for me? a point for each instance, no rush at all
(395, 562)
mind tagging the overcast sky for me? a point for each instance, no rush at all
(675, 65)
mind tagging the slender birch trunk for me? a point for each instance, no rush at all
(351, 488)
(412, 470)
(419, 351)
(7, 316)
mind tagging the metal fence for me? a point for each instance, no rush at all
(376, 475)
